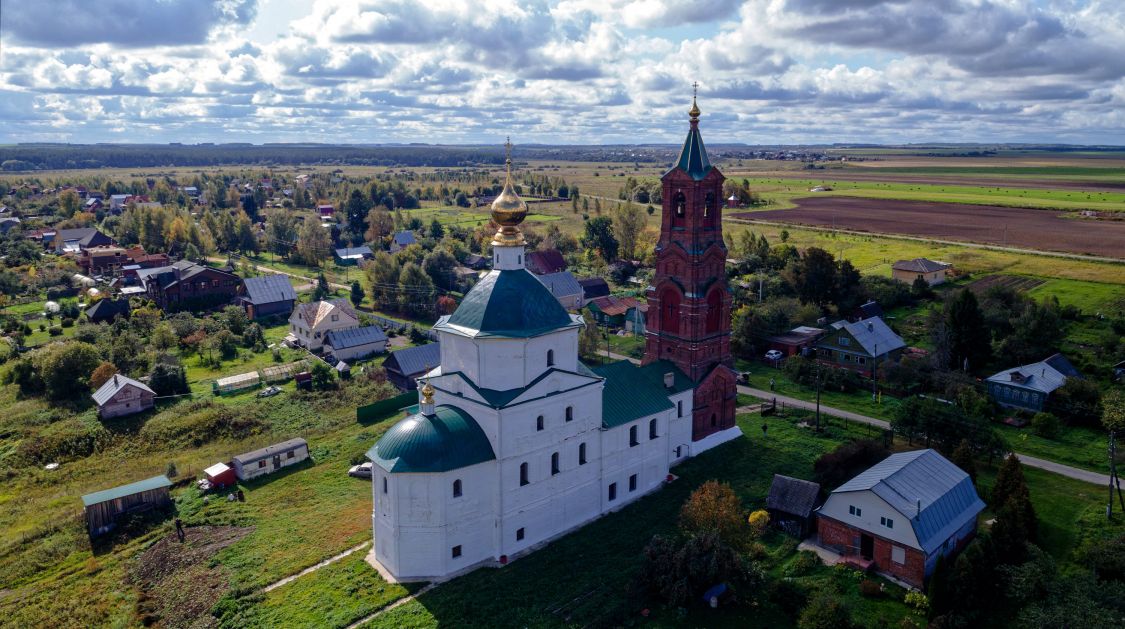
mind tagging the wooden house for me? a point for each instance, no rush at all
(791, 503)
(270, 459)
(1029, 387)
(861, 346)
(103, 508)
(122, 395)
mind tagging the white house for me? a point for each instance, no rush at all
(310, 323)
(516, 442)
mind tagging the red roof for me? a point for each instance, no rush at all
(546, 261)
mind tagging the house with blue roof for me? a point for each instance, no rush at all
(901, 514)
(1028, 387)
(861, 345)
(402, 240)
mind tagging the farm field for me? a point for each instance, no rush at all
(1006, 227)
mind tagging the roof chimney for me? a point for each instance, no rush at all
(870, 327)
(918, 510)
(114, 379)
(669, 380)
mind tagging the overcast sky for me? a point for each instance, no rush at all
(574, 71)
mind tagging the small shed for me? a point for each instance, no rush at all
(791, 503)
(344, 369)
(220, 475)
(122, 395)
(235, 383)
(102, 508)
(270, 459)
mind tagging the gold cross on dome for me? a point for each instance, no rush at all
(694, 89)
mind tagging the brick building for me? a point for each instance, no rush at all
(901, 515)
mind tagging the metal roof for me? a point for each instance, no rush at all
(107, 309)
(872, 334)
(693, 158)
(594, 287)
(1044, 376)
(405, 238)
(112, 386)
(216, 469)
(268, 289)
(268, 451)
(414, 360)
(633, 392)
(510, 303)
(920, 265)
(449, 439)
(561, 284)
(352, 252)
(792, 495)
(545, 261)
(354, 337)
(936, 496)
(114, 493)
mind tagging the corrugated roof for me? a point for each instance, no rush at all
(545, 261)
(792, 495)
(1044, 376)
(114, 493)
(112, 386)
(873, 334)
(920, 265)
(216, 469)
(347, 252)
(268, 451)
(405, 238)
(594, 287)
(510, 303)
(354, 337)
(561, 284)
(107, 309)
(449, 439)
(935, 495)
(268, 289)
(613, 306)
(414, 360)
(631, 393)
(316, 312)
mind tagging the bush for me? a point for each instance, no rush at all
(825, 611)
(679, 572)
(758, 522)
(805, 562)
(55, 331)
(1046, 425)
(870, 589)
(788, 596)
(917, 601)
(67, 322)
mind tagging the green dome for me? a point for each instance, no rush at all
(509, 303)
(447, 440)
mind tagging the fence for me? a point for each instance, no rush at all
(379, 409)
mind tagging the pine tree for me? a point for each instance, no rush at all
(357, 294)
(969, 336)
(322, 290)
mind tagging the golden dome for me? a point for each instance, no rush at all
(508, 210)
(694, 111)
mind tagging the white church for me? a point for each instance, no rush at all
(515, 441)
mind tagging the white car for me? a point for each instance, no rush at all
(773, 354)
(363, 470)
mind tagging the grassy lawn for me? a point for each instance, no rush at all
(1079, 447)
(629, 345)
(858, 402)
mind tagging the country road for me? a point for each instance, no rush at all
(1030, 461)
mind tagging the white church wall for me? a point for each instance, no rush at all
(679, 431)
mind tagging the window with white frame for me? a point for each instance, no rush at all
(887, 522)
(854, 510)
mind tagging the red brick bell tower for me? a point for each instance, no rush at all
(689, 304)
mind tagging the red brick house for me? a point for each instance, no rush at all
(901, 515)
(187, 285)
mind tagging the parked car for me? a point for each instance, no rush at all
(774, 354)
(363, 470)
(269, 392)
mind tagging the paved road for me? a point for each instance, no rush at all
(1030, 461)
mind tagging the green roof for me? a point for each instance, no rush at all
(447, 440)
(655, 372)
(693, 157)
(509, 303)
(631, 392)
(147, 484)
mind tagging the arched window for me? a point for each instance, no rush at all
(539, 423)
(550, 358)
(670, 310)
(714, 310)
(523, 474)
(569, 413)
(582, 454)
(680, 203)
(554, 463)
(708, 204)
(633, 436)
(652, 429)
(457, 488)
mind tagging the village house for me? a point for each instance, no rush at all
(311, 322)
(325, 210)
(592, 288)
(476, 262)
(402, 240)
(565, 287)
(122, 395)
(8, 223)
(75, 240)
(859, 346)
(353, 255)
(908, 271)
(791, 503)
(406, 365)
(106, 310)
(267, 295)
(356, 343)
(611, 311)
(545, 261)
(270, 459)
(800, 341)
(901, 515)
(1029, 387)
(103, 508)
(187, 285)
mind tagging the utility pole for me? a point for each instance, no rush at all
(875, 373)
(818, 397)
